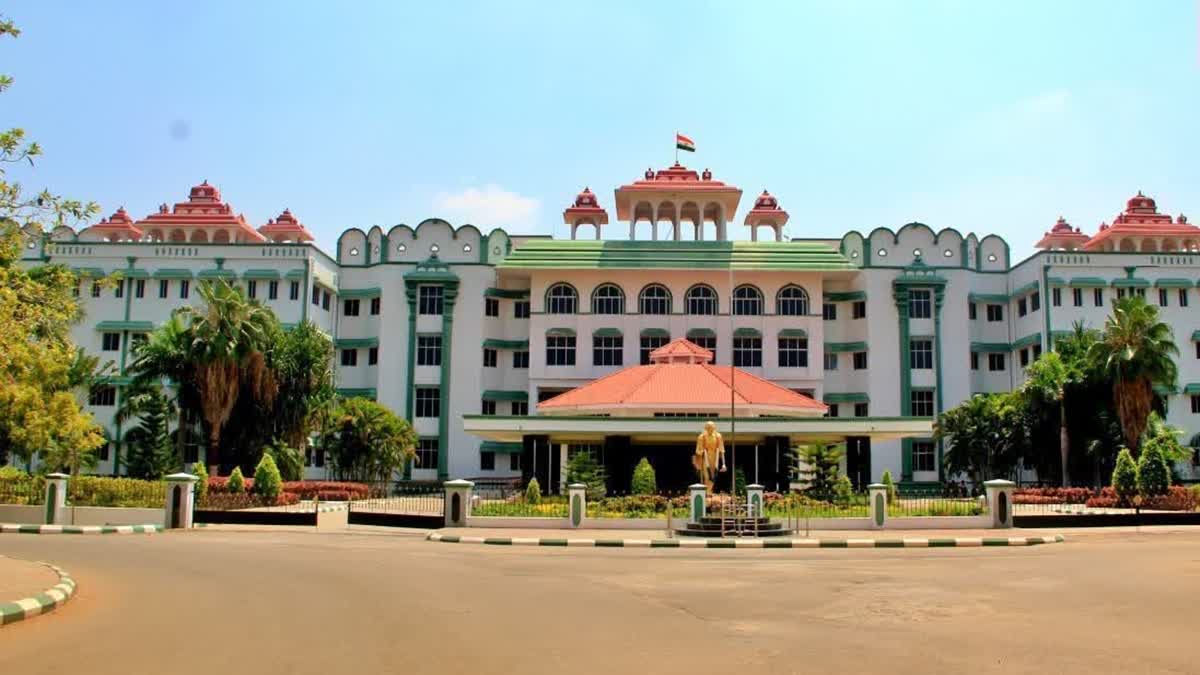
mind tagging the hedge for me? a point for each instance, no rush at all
(1178, 498)
(302, 489)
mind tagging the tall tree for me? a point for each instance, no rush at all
(1049, 379)
(988, 433)
(168, 354)
(366, 441)
(1136, 350)
(303, 363)
(151, 450)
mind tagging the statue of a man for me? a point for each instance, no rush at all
(710, 454)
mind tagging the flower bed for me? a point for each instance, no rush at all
(1053, 495)
(1178, 498)
(302, 489)
(224, 501)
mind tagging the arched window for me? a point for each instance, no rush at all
(701, 299)
(747, 301)
(608, 299)
(562, 299)
(655, 299)
(791, 301)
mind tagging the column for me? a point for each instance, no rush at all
(697, 503)
(180, 500)
(458, 502)
(562, 463)
(577, 499)
(877, 497)
(754, 500)
(999, 499)
(56, 498)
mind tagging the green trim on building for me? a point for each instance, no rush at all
(561, 332)
(265, 275)
(991, 347)
(686, 255)
(90, 272)
(1027, 288)
(793, 333)
(355, 343)
(746, 332)
(351, 293)
(842, 347)
(1192, 389)
(216, 273)
(506, 293)
(1173, 283)
(1164, 390)
(1056, 281)
(167, 273)
(115, 380)
(502, 395)
(1028, 341)
(433, 271)
(133, 273)
(297, 275)
(988, 298)
(607, 332)
(1196, 336)
(363, 392)
(501, 448)
(506, 344)
(848, 397)
(135, 326)
(1131, 282)
(845, 296)
(1088, 282)
(701, 333)
(655, 332)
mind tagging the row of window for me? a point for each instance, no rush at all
(350, 357)
(858, 310)
(609, 350)
(701, 299)
(491, 307)
(351, 306)
(860, 410)
(516, 408)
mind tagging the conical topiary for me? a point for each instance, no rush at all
(1125, 477)
(644, 481)
(1153, 472)
(237, 484)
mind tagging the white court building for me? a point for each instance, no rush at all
(464, 332)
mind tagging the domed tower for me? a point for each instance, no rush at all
(766, 212)
(1141, 228)
(285, 229)
(1062, 237)
(586, 210)
(117, 227)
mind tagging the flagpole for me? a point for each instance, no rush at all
(676, 147)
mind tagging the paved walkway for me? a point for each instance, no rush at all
(20, 579)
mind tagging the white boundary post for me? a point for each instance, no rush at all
(458, 502)
(183, 486)
(577, 501)
(999, 499)
(56, 498)
(877, 496)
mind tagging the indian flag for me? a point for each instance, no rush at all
(684, 143)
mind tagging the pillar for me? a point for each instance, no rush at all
(577, 499)
(458, 502)
(877, 496)
(754, 500)
(56, 498)
(999, 499)
(180, 500)
(697, 503)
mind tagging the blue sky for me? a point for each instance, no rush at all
(986, 117)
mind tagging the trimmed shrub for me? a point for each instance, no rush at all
(1125, 477)
(200, 472)
(237, 483)
(333, 496)
(644, 482)
(843, 490)
(308, 489)
(1053, 495)
(583, 468)
(1177, 498)
(533, 492)
(267, 482)
(1153, 472)
(224, 501)
(890, 484)
(124, 492)
(289, 461)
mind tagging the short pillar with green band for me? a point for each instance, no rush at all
(697, 503)
(999, 499)
(180, 501)
(56, 498)
(577, 499)
(458, 502)
(754, 500)
(877, 497)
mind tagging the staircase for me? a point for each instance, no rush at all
(711, 526)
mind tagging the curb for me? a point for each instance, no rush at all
(7, 528)
(46, 601)
(908, 542)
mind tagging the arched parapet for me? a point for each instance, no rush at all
(993, 254)
(497, 247)
(468, 241)
(63, 233)
(352, 247)
(400, 239)
(854, 247)
(376, 245)
(971, 250)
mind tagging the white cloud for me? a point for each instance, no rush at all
(486, 207)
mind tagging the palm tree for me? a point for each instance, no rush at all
(303, 363)
(1136, 352)
(1053, 375)
(166, 354)
(150, 452)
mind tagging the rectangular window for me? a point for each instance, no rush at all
(350, 307)
(1140, 292)
(924, 456)
(1195, 405)
(974, 360)
(110, 342)
(429, 350)
(104, 451)
(75, 291)
(349, 358)
(1056, 297)
(920, 354)
(427, 453)
(1077, 297)
(373, 356)
(1120, 293)
(793, 352)
(1198, 350)
(996, 362)
(136, 340)
(487, 461)
(489, 357)
(859, 309)
(1035, 301)
(325, 300)
(185, 288)
(95, 290)
(520, 360)
(316, 295)
(1024, 355)
(514, 462)
(487, 407)
(163, 287)
(1183, 297)
(995, 313)
(1037, 352)
(1021, 309)
(747, 352)
(521, 309)
(862, 410)
(119, 289)
(708, 342)
(430, 300)
(294, 291)
(921, 403)
(272, 290)
(1098, 297)
(920, 304)
(829, 311)
(972, 313)
(860, 360)
(139, 288)
(491, 307)
(376, 304)
(560, 350)
(520, 408)
(607, 350)
(831, 360)
(428, 402)
(833, 410)
(648, 344)
(103, 396)
(1162, 297)
(252, 289)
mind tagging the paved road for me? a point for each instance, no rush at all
(297, 602)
